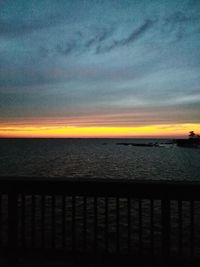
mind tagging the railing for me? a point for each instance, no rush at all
(156, 223)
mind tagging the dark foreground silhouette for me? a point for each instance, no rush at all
(99, 222)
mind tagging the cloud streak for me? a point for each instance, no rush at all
(137, 33)
(100, 38)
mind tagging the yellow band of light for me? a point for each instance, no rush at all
(83, 132)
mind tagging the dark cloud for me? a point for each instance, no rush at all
(101, 35)
(193, 3)
(67, 48)
(178, 17)
(177, 23)
(15, 27)
(79, 34)
(79, 44)
(137, 33)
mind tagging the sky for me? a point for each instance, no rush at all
(99, 68)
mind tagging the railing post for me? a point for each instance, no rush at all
(165, 223)
(12, 221)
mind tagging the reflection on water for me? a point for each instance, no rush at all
(97, 158)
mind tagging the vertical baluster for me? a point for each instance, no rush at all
(42, 221)
(23, 218)
(165, 209)
(106, 223)
(95, 224)
(192, 229)
(152, 226)
(32, 220)
(63, 221)
(53, 221)
(84, 223)
(73, 223)
(117, 224)
(12, 221)
(180, 228)
(129, 223)
(140, 225)
(12, 228)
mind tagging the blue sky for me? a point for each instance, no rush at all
(126, 62)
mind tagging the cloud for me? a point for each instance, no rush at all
(137, 33)
(101, 35)
(180, 24)
(180, 17)
(15, 27)
(60, 65)
(80, 43)
(100, 38)
(67, 48)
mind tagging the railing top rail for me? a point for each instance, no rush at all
(144, 189)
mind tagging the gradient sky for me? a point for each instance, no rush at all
(99, 68)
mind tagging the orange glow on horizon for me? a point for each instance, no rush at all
(51, 131)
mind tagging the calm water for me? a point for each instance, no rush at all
(97, 158)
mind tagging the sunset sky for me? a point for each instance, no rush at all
(99, 68)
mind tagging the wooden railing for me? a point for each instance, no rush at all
(156, 223)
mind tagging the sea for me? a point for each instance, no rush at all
(97, 158)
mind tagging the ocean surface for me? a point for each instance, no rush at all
(95, 158)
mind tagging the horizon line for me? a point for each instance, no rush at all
(61, 131)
